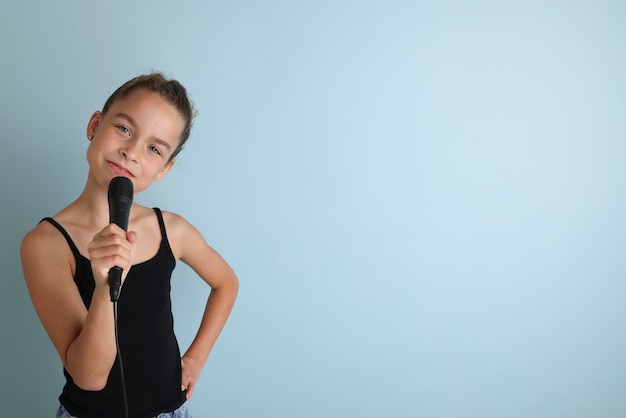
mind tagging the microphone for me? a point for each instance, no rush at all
(120, 201)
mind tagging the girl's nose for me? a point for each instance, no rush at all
(130, 151)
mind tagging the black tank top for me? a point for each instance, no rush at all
(148, 346)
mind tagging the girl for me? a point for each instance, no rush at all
(66, 260)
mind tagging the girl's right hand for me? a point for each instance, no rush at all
(111, 247)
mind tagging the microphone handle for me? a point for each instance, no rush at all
(115, 282)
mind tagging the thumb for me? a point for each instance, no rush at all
(131, 236)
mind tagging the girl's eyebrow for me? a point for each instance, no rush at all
(164, 143)
(127, 117)
(132, 122)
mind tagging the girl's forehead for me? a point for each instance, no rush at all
(140, 96)
(145, 102)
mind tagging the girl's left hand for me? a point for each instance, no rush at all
(191, 374)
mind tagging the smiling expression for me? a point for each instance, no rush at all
(135, 139)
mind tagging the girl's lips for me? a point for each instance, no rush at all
(118, 169)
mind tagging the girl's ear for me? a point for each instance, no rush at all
(94, 122)
(165, 170)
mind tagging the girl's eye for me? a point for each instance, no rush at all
(155, 150)
(123, 129)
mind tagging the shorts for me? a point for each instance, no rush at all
(181, 412)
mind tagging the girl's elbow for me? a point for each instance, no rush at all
(229, 283)
(234, 282)
(92, 386)
(91, 383)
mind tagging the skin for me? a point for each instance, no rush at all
(135, 138)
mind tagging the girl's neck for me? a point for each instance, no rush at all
(92, 206)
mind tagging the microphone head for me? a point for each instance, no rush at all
(121, 187)
(120, 201)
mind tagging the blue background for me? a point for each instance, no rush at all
(424, 201)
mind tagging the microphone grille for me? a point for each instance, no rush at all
(121, 187)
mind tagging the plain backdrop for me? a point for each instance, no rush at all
(424, 200)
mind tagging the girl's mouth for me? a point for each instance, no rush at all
(118, 169)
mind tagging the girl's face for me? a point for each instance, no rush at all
(135, 139)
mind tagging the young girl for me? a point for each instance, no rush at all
(66, 260)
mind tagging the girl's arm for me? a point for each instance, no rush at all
(84, 339)
(213, 269)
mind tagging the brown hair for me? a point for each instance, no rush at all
(170, 90)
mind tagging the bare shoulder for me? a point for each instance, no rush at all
(176, 225)
(45, 241)
(41, 232)
(181, 234)
(46, 257)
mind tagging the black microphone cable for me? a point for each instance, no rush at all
(119, 357)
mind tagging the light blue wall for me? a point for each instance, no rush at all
(424, 201)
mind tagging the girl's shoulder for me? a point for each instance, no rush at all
(45, 245)
(44, 234)
(181, 233)
(173, 220)
(178, 228)
(53, 230)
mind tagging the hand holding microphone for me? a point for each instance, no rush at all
(112, 246)
(120, 201)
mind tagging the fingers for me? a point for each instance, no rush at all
(188, 383)
(190, 388)
(131, 237)
(185, 375)
(110, 247)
